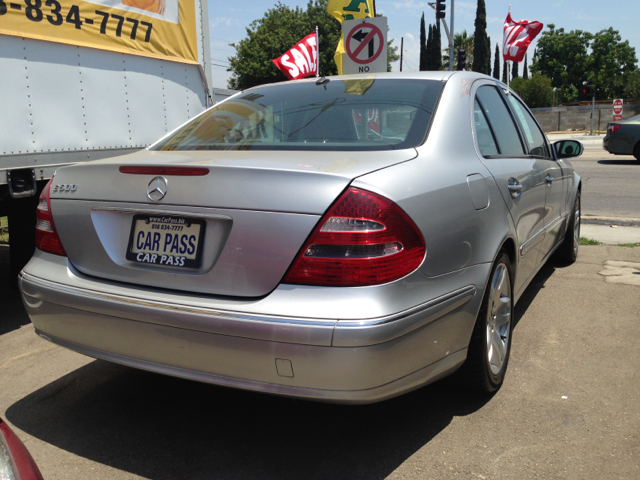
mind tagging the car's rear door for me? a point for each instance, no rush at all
(519, 176)
(556, 177)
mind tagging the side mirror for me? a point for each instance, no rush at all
(568, 148)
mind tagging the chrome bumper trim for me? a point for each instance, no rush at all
(324, 332)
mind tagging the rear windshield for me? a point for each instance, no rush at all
(364, 114)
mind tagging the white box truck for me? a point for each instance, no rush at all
(63, 103)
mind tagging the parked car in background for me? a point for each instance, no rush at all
(623, 138)
(347, 239)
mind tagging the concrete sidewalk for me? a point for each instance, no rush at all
(584, 138)
(611, 230)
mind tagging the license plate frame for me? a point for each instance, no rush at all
(170, 221)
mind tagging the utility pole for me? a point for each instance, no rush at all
(401, 51)
(593, 106)
(451, 40)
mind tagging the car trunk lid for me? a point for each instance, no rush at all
(253, 211)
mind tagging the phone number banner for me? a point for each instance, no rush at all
(154, 28)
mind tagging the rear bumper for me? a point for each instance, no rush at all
(617, 145)
(323, 359)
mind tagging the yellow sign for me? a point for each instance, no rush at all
(153, 28)
(348, 10)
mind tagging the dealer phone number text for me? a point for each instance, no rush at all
(34, 12)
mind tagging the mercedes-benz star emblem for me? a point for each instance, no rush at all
(157, 189)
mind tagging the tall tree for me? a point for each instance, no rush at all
(632, 89)
(480, 41)
(437, 48)
(505, 71)
(496, 64)
(423, 45)
(514, 70)
(525, 73)
(277, 31)
(488, 69)
(562, 56)
(429, 63)
(610, 63)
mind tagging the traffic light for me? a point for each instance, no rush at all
(462, 58)
(440, 9)
(586, 92)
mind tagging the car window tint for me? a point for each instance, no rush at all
(501, 121)
(486, 142)
(360, 114)
(534, 137)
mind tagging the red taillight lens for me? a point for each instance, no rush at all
(47, 238)
(364, 239)
(15, 459)
(178, 171)
(613, 128)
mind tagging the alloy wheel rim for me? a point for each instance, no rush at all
(499, 319)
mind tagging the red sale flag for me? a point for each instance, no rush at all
(301, 60)
(517, 37)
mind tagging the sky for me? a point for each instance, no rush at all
(228, 21)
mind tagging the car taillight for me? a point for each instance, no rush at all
(613, 128)
(47, 238)
(364, 239)
(16, 463)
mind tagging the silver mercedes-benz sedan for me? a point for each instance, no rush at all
(345, 239)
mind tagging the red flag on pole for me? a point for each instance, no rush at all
(301, 60)
(517, 37)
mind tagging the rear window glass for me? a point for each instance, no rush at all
(364, 114)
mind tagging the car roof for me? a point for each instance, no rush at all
(442, 75)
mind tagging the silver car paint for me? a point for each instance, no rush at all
(251, 250)
(357, 344)
(435, 194)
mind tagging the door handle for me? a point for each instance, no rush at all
(549, 179)
(515, 187)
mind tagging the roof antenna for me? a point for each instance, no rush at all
(322, 81)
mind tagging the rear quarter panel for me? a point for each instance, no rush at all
(433, 189)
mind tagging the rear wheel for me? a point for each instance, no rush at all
(490, 345)
(568, 252)
(636, 151)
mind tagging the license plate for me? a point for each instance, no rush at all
(166, 241)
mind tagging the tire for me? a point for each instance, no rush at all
(567, 253)
(636, 151)
(490, 345)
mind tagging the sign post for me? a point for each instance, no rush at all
(617, 110)
(365, 43)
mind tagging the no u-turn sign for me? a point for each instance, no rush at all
(365, 43)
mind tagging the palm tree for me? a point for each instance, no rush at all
(464, 41)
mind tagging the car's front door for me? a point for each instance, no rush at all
(519, 176)
(556, 178)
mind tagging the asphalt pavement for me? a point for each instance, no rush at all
(568, 409)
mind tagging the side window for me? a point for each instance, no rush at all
(486, 142)
(501, 121)
(534, 137)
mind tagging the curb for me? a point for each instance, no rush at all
(617, 221)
